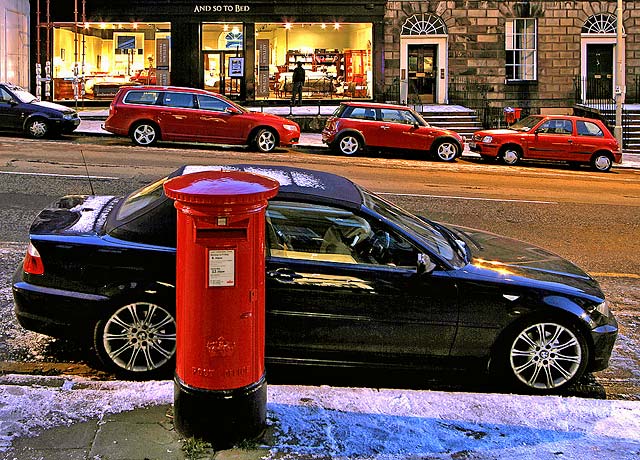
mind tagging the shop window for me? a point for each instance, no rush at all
(520, 46)
(336, 57)
(96, 59)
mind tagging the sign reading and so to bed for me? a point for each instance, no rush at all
(231, 8)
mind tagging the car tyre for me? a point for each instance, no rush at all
(37, 128)
(137, 340)
(446, 150)
(602, 162)
(349, 144)
(265, 140)
(145, 133)
(511, 155)
(542, 355)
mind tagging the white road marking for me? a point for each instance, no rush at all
(68, 176)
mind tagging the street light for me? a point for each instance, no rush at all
(620, 86)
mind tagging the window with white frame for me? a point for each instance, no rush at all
(520, 45)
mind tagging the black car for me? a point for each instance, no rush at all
(352, 280)
(21, 111)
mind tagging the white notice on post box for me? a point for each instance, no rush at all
(222, 267)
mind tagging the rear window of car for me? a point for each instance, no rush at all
(588, 128)
(145, 216)
(142, 97)
(180, 100)
(363, 113)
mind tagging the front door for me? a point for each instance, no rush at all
(422, 72)
(599, 71)
(218, 72)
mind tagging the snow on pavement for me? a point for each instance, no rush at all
(360, 423)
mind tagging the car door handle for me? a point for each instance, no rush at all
(384, 127)
(570, 141)
(283, 275)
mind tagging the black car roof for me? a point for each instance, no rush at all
(295, 183)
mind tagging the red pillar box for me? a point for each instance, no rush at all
(220, 390)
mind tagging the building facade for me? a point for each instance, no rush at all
(14, 41)
(532, 54)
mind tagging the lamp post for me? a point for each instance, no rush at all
(620, 85)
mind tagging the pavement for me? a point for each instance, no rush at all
(70, 418)
(92, 120)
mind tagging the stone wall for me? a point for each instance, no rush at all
(476, 36)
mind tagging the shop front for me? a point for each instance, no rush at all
(246, 51)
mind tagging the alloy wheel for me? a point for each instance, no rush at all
(546, 356)
(140, 337)
(447, 151)
(266, 141)
(38, 129)
(602, 163)
(511, 156)
(349, 145)
(144, 134)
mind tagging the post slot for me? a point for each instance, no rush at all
(221, 233)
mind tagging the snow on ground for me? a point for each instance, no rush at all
(360, 423)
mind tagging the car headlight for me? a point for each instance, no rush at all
(68, 116)
(602, 308)
(290, 127)
(487, 139)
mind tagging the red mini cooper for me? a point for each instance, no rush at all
(576, 140)
(152, 113)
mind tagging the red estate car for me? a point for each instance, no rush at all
(555, 137)
(151, 113)
(355, 126)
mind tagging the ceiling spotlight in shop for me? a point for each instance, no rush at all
(336, 26)
(323, 26)
(288, 25)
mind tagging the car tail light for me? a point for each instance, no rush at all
(33, 262)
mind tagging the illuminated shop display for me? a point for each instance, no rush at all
(337, 59)
(101, 57)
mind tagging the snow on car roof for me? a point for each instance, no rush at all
(296, 183)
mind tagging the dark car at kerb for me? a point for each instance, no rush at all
(351, 280)
(22, 112)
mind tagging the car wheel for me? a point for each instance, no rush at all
(601, 162)
(446, 151)
(137, 340)
(265, 141)
(511, 156)
(349, 144)
(144, 134)
(37, 128)
(543, 355)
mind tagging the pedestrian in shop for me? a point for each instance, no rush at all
(298, 81)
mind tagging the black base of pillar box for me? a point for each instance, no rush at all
(221, 417)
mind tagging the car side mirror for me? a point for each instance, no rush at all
(425, 265)
(232, 110)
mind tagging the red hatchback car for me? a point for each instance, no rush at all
(355, 126)
(555, 137)
(152, 113)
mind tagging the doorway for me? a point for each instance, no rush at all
(600, 71)
(221, 72)
(422, 71)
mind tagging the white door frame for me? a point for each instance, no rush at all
(601, 39)
(442, 79)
